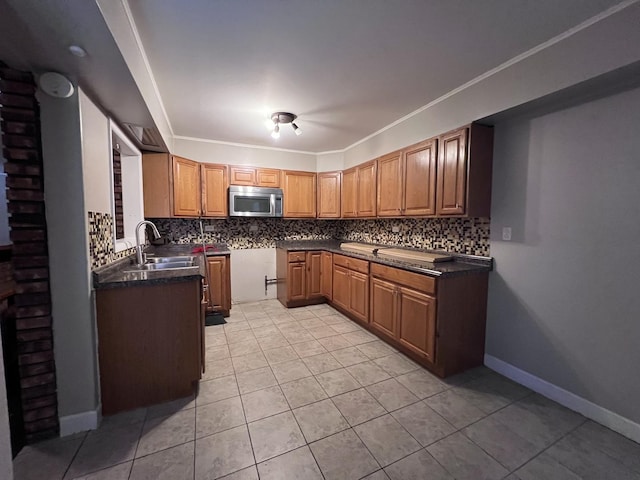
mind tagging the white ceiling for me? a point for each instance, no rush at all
(347, 68)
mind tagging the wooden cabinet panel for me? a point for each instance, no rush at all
(268, 177)
(341, 292)
(156, 185)
(356, 264)
(383, 307)
(417, 320)
(242, 175)
(299, 190)
(297, 257)
(367, 189)
(219, 283)
(326, 275)
(390, 185)
(186, 187)
(314, 268)
(296, 282)
(359, 290)
(214, 190)
(349, 193)
(419, 182)
(417, 281)
(452, 173)
(329, 194)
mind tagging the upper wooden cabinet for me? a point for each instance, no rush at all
(299, 190)
(464, 172)
(367, 189)
(390, 185)
(329, 194)
(349, 193)
(186, 188)
(156, 185)
(214, 190)
(254, 176)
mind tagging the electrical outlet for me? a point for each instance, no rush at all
(209, 228)
(253, 228)
(506, 233)
(395, 229)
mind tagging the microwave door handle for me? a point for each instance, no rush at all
(272, 202)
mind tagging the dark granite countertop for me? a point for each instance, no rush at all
(460, 265)
(119, 274)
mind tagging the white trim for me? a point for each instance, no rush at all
(145, 60)
(605, 417)
(245, 145)
(80, 422)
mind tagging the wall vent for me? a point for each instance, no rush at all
(147, 137)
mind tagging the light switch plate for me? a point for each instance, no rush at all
(209, 228)
(506, 233)
(395, 229)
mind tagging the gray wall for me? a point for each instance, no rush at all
(6, 466)
(73, 327)
(563, 300)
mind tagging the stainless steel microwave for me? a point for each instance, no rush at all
(255, 201)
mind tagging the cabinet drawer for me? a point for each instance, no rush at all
(422, 283)
(361, 266)
(297, 256)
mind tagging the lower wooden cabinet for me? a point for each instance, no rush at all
(219, 270)
(351, 286)
(299, 277)
(326, 275)
(313, 263)
(383, 307)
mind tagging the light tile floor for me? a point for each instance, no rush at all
(307, 394)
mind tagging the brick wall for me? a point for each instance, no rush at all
(20, 124)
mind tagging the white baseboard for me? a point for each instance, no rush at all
(599, 414)
(79, 422)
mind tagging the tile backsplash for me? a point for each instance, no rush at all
(101, 248)
(460, 235)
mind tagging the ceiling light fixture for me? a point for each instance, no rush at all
(282, 118)
(77, 50)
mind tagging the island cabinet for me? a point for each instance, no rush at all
(440, 322)
(219, 282)
(150, 343)
(329, 194)
(351, 286)
(254, 176)
(299, 277)
(464, 172)
(299, 190)
(178, 187)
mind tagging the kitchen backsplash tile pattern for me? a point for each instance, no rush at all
(460, 235)
(101, 249)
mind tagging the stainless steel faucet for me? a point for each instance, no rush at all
(156, 234)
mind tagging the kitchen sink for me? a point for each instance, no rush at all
(183, 258)
(165, 263)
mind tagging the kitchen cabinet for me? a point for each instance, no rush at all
(299, 190)
(219, 281)
(367, 189)
(254, 176)
(438, 322)
(149, 343)
(299, 277)
(351, 286)
(179, 187)
(186, 188)
(349, 193)
(326, 275)
(464, 172)
(329, 194)
(214, 190)
(390, 185)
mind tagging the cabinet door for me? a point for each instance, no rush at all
(214, 190)
(349, 193)
(383, 307)
(314, 267)
(417, 322)
(367, 189)
(268, 177)
(156, 185)
(329, 194)
(219, 288)
(341, 293)
(299, 194)
(296, 282)
(186, 187)
(452, 173)
(420, 179)
(359, 295)
(390, 185)
(242, 175)
(326, 275)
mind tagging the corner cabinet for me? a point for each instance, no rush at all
(299, 190)
(329, 194)
(464, 172)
